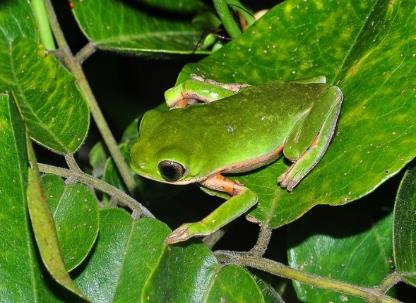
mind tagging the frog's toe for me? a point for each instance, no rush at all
(283, 179)
(178, 235)
(287, 181)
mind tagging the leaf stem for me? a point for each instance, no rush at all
(230, 25)
(389, 282)
(284, 271)
(262, 242)
(41, 16)
(102, 186)
(76, 69)
(72, 163)
(85, 52)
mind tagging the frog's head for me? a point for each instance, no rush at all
(161, 152)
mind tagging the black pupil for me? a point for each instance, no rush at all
(170, 170)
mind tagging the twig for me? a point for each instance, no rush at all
(284, 271)
(85, 52)
(76, 69)
(122, 197)
(262, 242)
(389, 282)
(72, 163)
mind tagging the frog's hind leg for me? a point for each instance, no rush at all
(306, 151)
(199, 90)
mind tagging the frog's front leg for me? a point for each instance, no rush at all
(310, 139)
(199, 90)
(235, 87)
(242, 199)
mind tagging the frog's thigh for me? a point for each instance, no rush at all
(194, 91)
(305, 131)
(315, 150)
(231, 209)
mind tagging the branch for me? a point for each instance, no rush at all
(85, 52)
(136, 207)
(389, 282)
(262, 242)
(284, 271)
(76, 69)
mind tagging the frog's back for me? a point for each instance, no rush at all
(250, 124)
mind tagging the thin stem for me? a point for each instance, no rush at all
(223, 11)
(262, 242)
(72, 163)
(76, 69)
(284, 271)
(41, 17)
(389, 282)
(102, 186)
(85, 52)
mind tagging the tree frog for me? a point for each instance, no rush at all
(213, 129)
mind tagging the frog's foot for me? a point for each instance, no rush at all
(287, 181)
(179, 235)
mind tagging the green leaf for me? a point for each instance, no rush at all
(125, 255)
(97, 157)
(404, 230)
(367, 49)
(75, 212)
(16, 249)
(131, 263)
(44, 228)
(179, 6)
(269, 293)
(359, 253)
(48, 99)
(118, 26)
(131, 132)
(231, 278)
(22, 278)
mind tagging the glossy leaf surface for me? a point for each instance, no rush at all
(22, 276)
(360, 254)
(180, 6)
(404, 240)
(131, 263)
(75, 213)
(44, 228)
(370, 55)
(118, 26)
(54, 111)
(16, 237)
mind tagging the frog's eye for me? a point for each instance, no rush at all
(171, 170)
